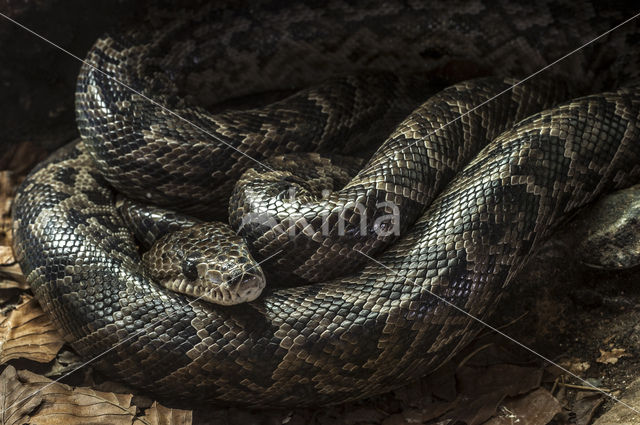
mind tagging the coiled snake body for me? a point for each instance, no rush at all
(378, 327)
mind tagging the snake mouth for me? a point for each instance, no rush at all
(242, 288)
(246, 287)
(249, 287)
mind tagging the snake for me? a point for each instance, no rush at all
(486, 168)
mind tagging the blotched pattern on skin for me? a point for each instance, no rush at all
(353, 336)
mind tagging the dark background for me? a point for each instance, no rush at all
(37, 80)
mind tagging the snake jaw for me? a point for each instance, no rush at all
(215, 288)
(238, 288)
(248, 286)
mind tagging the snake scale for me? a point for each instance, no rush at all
(375, 328)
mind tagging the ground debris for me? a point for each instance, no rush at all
(27, 332)
(34, 399)
(612, 356)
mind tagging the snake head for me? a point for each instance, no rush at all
(208, 261)
(227, 278)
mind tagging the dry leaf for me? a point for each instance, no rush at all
(7, 188)
(66, 361)
(477, 409)
(625, 410)
(363, 414)
(612, 357)
(509, 379)
(414, 416)
(16, 400)
(34, 399)
(11, 277)
(585, 406)
(58, 403)
(140, 400)
(6, 255)
(28, 333)
(19, 158)
(536, 408)
(483, 388)
(575, 365)
(160, 415)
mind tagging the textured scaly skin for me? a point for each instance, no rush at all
(358, 335)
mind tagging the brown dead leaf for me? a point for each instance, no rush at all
(6, 255)
(58, 403)
(11, 277)
(16, 400)
(421, 393)
(34, 399)
(536, 408)
(363, 415)
(7, 187)
(409, 416)
(586, 405)
(477, 409)
(19, 158)
(612, 357)
(66, 361)
(28, 333)
(625, 411)
(482, 388)
(398, 419)
(160, 415)
(510, 379)
(575, 365)
(429, 410)
(140, 400)
(440, 384)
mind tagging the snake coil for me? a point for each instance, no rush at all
(351, 336)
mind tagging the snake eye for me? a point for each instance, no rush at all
(190, 265)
